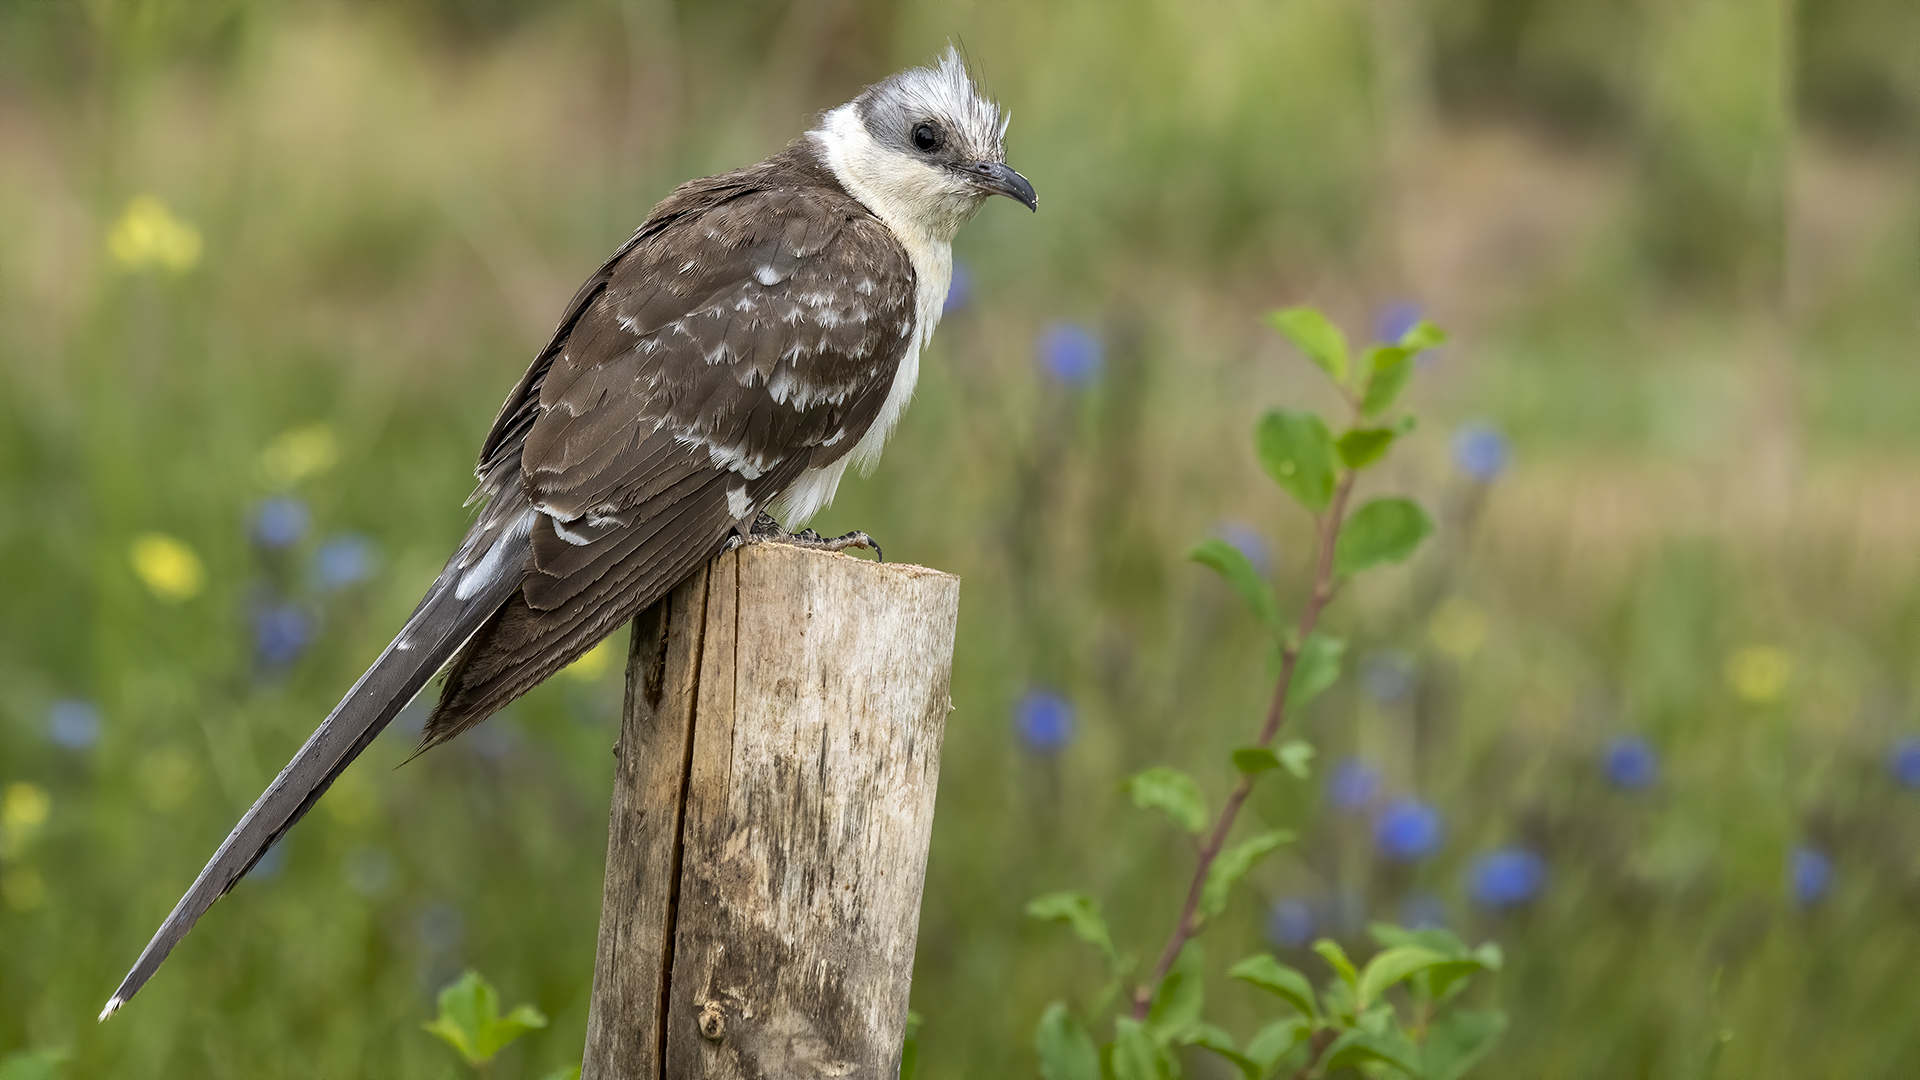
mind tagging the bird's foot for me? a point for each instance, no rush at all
(765, 530)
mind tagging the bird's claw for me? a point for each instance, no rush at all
(765, 530)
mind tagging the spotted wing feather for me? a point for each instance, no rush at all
(750, 332)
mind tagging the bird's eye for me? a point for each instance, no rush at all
(928, 137)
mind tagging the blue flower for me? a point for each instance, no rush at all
(1352, 785)
(346, 559)
(281, 633)
(959, 289)
(1396, 319)
(1904, 761)
(279, 523)
(1630, 763)
(1290, 923)
(1480, 451)
(1506, 877)
(1386, 676)
(1071, 354)
(1250, 543)
(1044, 720)
(1809, 874)
(1423, 911)
(1407, 830)
(73, 723)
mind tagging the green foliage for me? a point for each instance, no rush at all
(1233, 566)
(1294, 756)
(1383, 531)
(1358, 1021)
(1352, 1018)
(1316, 336)
(1232, 864)
(1317, 668)
(1297, 450)
(1172, 792)
(1065, 1049)
(1082, 914)
(471, 1023)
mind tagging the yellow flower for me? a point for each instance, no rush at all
(23, 810)
(1759, 674)
(298, 454)
(26, 806)
(594, 664)
(149, 236)
(169, 567)
(23, 889)
(1458, 628)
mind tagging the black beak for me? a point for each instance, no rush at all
(995, 178)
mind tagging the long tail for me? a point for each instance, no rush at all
(474, 586)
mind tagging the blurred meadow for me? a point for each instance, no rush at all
(1643, 712)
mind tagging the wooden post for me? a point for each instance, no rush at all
(771, 812)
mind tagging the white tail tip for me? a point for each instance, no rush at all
(113, 1006)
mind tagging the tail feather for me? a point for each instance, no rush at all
(454, 609)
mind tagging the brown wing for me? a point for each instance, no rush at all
(750, 332)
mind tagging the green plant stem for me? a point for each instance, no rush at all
(1323, 590)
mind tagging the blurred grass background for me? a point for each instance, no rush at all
(266, 272)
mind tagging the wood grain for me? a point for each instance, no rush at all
(802, 708)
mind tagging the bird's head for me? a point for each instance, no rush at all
(923, 149)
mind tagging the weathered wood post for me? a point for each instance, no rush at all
(772, 806)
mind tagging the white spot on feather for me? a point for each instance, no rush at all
(494, 564)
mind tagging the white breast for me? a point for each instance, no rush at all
(856, 162)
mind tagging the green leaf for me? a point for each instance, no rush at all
(1296, 449)
(1066, 1050)
(1172, 791)
(1212, 1038)
(1297, 757)
(1457, 1040)
(1439, 939)
(1355, 1047)
(1391, 368)
(1181, 996)
(471, 1023)
(1135, 1057)
(1231, 865)
(1317, 668)
(1390, 966)
(1313, 334)
(1277, 1040)
(1362, 447)
(1336, 958)
(1422, 336)
(1079, 912)
(1263, 971)
(1237, 570)
(1254, 760)
(1382, 531)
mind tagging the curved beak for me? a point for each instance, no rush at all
(995, 178)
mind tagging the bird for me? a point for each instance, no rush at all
(758, 334)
